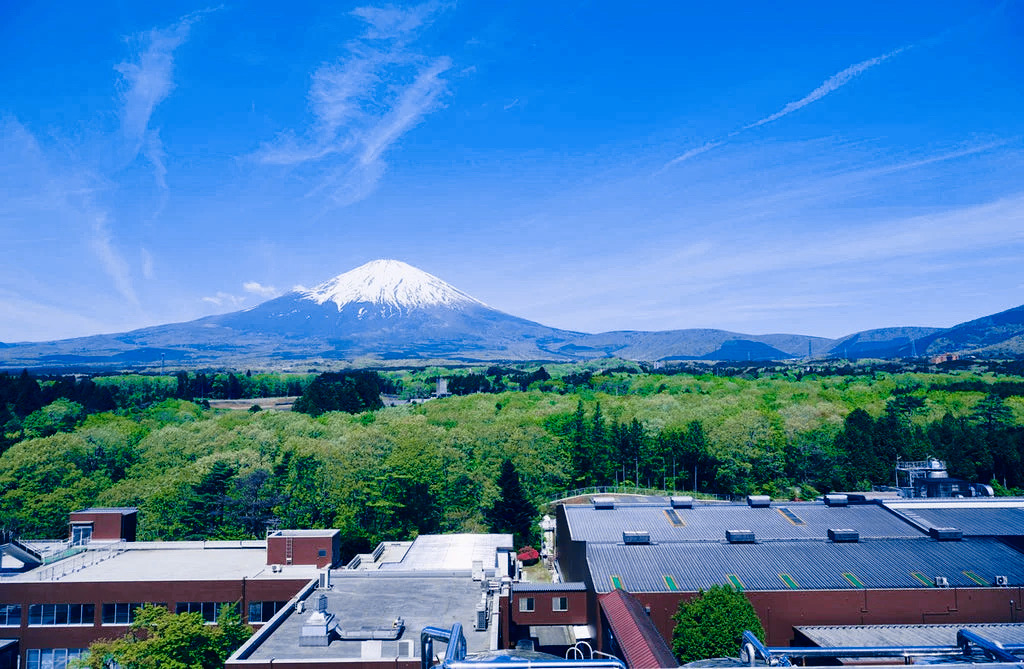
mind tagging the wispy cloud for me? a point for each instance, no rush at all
(222, 299)
(257, 288)
(361, 106)
(146, 81)
(113, 262)
(831, 84)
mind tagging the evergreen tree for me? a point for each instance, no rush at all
(512, 512)
(712, 624)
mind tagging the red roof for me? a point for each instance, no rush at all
(641, 643)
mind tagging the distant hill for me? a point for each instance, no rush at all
(387, 310)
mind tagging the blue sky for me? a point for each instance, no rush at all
(815, 168)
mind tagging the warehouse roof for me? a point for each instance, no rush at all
(803, 565)
(832, 636)
(991, 518)
(709, 521)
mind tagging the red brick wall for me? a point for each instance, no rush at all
(107, 524)
(305, 550)
(169, 592)
(781, 611)
(543, 614)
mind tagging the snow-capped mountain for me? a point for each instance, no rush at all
(392, 286)
(388, 310)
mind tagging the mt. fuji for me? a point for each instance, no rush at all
(387, 310)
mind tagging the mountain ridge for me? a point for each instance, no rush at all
(387, 310)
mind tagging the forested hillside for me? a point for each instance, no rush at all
(433, 467)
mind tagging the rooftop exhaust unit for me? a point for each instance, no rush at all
(316, 631)
(1002, 581)
(843, 536)
(636, 538)
(946, 534)
(941, 582)
(759, 501)
(837, 500)
(325, 580)
(740, 536)
(681, 502)
(603, 502)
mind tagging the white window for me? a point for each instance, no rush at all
(10, 615)
(52, 658)
(559, 603)
(81, 534)
(61, 614)
(526, 604)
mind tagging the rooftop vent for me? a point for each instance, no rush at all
(844, 536)
(603, 502)
(636, 538)
(946, 534)
(837, 500)
(759, 501)
(1002, 581)
(681, 502)
(739, 536)
(316, 631)
(941, 582)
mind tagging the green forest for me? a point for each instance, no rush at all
(344, 460)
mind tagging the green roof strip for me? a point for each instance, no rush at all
(735, 580)
(853, 579)
(671, 583)
(790, 516)
(974, 577)
(788, 580)
(617, 582)
(922, 578)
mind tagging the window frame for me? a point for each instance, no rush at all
(563, 600)
(527, 605)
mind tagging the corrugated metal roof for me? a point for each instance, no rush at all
(803, 565)
(642, 645)
(832, 636)
(549, 587)
(972, 521)
(793, 520)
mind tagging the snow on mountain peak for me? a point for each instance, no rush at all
(389, 284)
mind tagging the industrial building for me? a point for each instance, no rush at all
(620, 569)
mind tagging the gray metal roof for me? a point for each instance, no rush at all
(803, 565)
(831, 636)
(704, 522)
(971, 520)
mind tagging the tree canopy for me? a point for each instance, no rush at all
(712, 624)
(159, 639)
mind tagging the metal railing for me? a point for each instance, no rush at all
(638, 490)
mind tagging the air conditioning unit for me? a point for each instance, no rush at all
(300, 606)
(276, 568)
(941, 582)
(1002, 581)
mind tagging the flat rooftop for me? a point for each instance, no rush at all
(166, 561)
(451, 552)
(367, 599)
